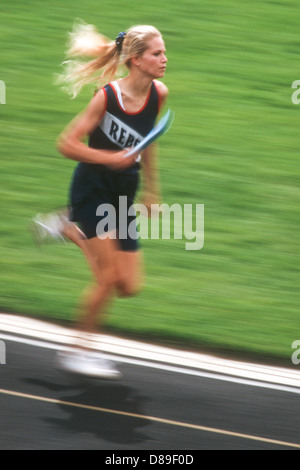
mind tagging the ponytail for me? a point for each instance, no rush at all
(86, 41)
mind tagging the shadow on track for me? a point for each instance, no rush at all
(110, 427)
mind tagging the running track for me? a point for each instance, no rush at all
(166, 400)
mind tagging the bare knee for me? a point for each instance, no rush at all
(129, 289)
(107, 280)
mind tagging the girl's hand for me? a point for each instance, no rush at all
(118, 160)
(150, 205)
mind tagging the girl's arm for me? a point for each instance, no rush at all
(151, 186)
(70, 141)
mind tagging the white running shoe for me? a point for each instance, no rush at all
(49, 226)
(89, 365)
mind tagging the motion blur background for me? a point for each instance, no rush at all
(234, 147)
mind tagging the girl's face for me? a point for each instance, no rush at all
(153, 61)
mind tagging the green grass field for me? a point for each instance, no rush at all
(234, 147)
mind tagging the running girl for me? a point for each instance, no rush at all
(119, 115)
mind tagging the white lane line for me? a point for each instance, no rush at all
(55, 334)
(165, 367)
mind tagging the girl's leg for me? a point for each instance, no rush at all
(115, 271)
(101, 255)
(129, 265)
(73, 233)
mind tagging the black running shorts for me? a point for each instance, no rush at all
(108, 209)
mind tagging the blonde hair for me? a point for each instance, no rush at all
(109, 56)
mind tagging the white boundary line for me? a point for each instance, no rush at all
(43, 334)
(165, 367)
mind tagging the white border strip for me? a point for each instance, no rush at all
(57, 337)
(165, 367)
